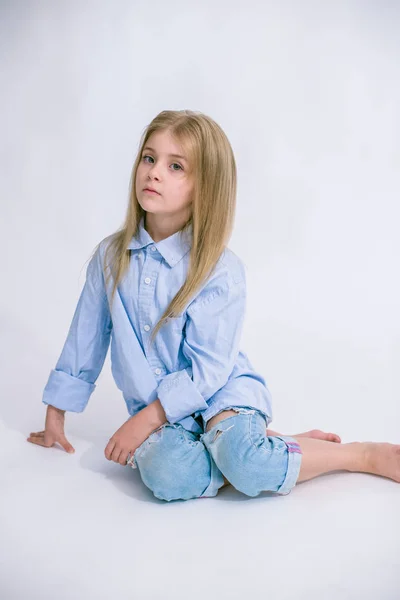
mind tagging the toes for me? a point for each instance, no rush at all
(330, 437)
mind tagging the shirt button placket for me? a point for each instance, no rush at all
(146, 294)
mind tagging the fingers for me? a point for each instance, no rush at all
(120, 457)
(109, 450)
(123, 457)
(66, 445)
(39, 438)
(40, 441)
(116, 454)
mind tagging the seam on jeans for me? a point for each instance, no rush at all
(251, 427)
(251, 430)
(294, 465)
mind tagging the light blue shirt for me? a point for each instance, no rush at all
(194, 366)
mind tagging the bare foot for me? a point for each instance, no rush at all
(382, 458)
(319, 435)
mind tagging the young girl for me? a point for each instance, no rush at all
(170, 296)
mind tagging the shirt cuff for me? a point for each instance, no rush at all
(67, 392)
(179, 396)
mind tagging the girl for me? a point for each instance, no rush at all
(170, 296)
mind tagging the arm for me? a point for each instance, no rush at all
(72, 382)
(211, 345)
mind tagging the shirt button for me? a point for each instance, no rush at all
(146, 327)
(139, 255)
(153, 248)
(147, 280)
(157, 371)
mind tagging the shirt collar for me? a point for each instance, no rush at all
(172, 248)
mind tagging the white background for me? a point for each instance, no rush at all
(308, 94)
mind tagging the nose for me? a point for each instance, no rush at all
(152, 174)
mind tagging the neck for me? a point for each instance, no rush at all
(160, 227)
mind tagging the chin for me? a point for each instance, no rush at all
(146, 206)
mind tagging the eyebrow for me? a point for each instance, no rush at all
(175, 155)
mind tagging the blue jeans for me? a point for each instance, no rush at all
(176, 464)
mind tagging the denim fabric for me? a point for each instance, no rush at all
(177, 464)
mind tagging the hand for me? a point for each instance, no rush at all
(127, 439)
(53, 431)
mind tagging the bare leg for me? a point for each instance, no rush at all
(313, 433)
(322, 456)
(363, 457)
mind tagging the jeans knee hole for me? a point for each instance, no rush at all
(217, 434)
(219, 431)
(156, 435)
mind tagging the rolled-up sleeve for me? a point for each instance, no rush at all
(72, 381)
(211, 345)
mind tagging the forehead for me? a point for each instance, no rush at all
(162, 142)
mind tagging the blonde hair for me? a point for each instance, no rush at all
(213, 167)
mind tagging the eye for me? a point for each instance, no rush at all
(148, 156)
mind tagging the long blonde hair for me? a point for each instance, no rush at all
(213, 167)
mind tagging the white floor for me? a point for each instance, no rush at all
(77, 527)
(307, 94)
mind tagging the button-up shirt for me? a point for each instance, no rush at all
(194, 366)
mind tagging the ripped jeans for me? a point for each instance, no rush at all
(177, 464)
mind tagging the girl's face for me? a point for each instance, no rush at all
(164, 168)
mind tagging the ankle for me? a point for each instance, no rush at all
(360, 464)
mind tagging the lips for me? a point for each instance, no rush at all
(151, 190)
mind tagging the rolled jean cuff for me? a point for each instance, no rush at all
(294, 463)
